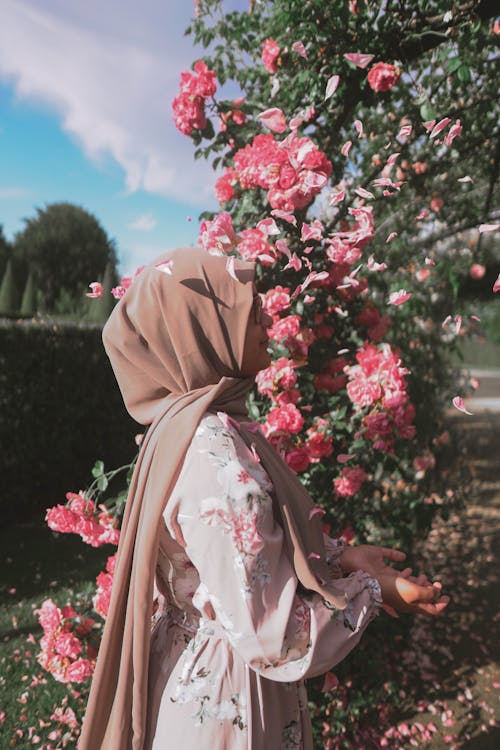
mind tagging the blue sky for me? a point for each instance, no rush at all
(85, 96)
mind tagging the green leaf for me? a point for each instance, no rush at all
(463, 74)
(98, 469)
(452, 65)
(427, 112)
(102, 483)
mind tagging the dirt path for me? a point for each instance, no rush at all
(455, 662)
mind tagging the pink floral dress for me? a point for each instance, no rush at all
(233, 639)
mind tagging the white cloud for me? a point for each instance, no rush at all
(144, 223)
(110, 70)
(13, 193)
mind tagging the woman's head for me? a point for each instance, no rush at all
(184, 329)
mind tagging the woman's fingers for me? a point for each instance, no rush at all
(393, 554)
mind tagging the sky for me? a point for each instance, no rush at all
(85, 116)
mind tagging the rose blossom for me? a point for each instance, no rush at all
(276, 300)
(49, 616)
(79, 671)
(270, 54)
(350, 480)
(67, 644)
(382, 76)
(297, 459)
(285, 418)
(280, 374)
(318, 443)
(60, 518)
(224, 186)
(477, 271)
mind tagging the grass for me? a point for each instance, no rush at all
(38, 564)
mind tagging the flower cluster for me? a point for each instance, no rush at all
(66, 649)
(350, 480)
(104, 583)
(378, 382)
(290, 332)
(292, 171)
(218, 235)
(278, 381)
(189, 105)
(80, 516)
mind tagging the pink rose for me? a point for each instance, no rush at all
(285, 418)
(297, 459)
(270, 54)
(68, 645)
(350, 480)
(60, 518)
(49, 616)
(79, 671)
(424, 462)
(477, 271)
(276, 300)
(224, 187)
(382, 76)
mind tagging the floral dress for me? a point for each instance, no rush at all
(233, 639)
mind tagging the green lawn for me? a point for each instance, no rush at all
(37, 564)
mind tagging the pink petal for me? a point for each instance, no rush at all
(268, 226)
(442, 124)
(97, 290)
(358, 59)
(342, 458)
(305, 149)
(359, 128)
(345, 148)
(290, 218)
(474, 317)
(429, 124)
(299, 48)
(364, 193)
(458, 403)
(391, 236)
(392, 158)
(337, 197)
(429, 262)
(315, 179)
(405, 131)
(313, 556)
(274, 119)
(166, 267)
(446, 321)
(330, 682)
(399, 297)
(331, 86)
(342, 351)
(489, 227)
(467, 178)
(316, 512)
(283, 248)
(496, 285)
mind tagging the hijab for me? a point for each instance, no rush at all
(175, 341)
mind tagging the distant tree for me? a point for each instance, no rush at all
(4, 251)
(29, 300)
(9, 293)
(65, 247)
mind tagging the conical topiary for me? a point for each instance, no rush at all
(28, 303)
(100, 308)
(9, 293)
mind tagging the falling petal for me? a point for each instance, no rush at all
(268, 226)
(290, 218)
(391, 236)
(331, 86)
(467, 178)
(429, 262)
(294, 262)
(454, 131)
(359, 129)
(442, 124)
(342, 351)
(458, 324)
(230, 267)
(345, 148)
(283, 248)
(399, 297)
(392, 159)
(330, 682)
(305, 149)
(299, 48)
(429, 124)
(313, 556)
(97, 290)
(496, 285)
(458, 403)
(423, 213)
(315, 179)
(274, 119)
(374, 266)
(404, 132)
(488, 227)
(474, 317)
(342, 458)
(358, 59)
(446, 321)
(364, 193)
(166, 266)
(337, 197)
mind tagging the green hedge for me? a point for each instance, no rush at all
(60, 410)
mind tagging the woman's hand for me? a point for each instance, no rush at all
(401, 590)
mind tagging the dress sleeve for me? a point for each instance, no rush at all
(222, 510)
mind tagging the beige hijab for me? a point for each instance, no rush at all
(175, 341)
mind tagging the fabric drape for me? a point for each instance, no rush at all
(175, 342)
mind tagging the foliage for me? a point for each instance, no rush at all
(9, 293)
(29, 299)
(63, 245)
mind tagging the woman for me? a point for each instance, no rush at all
(250, 597)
